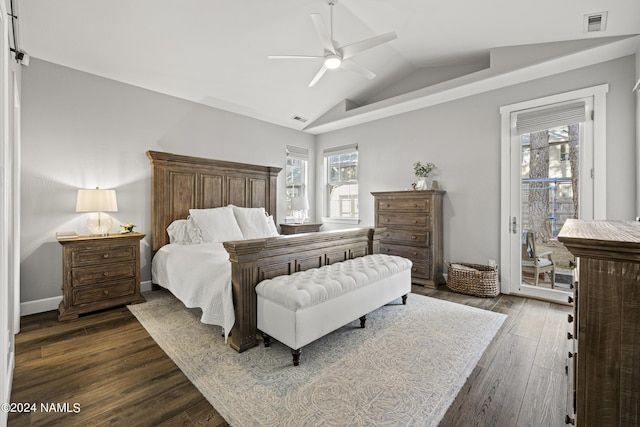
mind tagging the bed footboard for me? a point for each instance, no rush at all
(253, 261)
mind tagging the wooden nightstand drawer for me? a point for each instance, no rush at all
(96, 293)
(419, 237)
(100, 273)
(414, 205)
(89, 256)
(411, 220)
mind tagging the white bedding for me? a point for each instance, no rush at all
(199, 276)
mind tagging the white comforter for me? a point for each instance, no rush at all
(199, 276)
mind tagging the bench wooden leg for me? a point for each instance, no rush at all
(296, 356)
(266, 339)
(362, 320)
(404, 299)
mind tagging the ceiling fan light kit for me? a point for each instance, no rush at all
(339, 56)
(332, 61)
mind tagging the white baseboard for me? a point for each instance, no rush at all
(48, 304)
(39, 306)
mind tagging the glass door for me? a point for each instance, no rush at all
(547, 178)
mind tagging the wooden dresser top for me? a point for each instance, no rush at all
(600, 237)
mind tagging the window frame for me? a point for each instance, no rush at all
(327, 185)
(302, 155)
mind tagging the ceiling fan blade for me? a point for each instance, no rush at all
(323, 33)
(354, 67)
(353, 48)
(318, 75)
(293, 57)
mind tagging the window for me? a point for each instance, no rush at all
(341, 183)
(296, 171)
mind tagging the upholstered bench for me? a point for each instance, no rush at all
(304, 306)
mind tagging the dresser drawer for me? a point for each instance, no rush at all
(100, 273)
(421, 270)
(98, 254)
(403, 219)
(105, 291)
(412, 253)
(417, 237)
(410, 205)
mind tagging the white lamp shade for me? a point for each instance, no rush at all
(96, 200)
(299, 203)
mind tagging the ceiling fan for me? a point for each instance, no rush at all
(339, 56)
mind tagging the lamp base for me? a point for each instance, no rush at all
(99, 224)
(299, 217)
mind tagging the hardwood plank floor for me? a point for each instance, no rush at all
(108, 364)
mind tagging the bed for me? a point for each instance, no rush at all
(181, 184)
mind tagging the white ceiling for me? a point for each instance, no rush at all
(215, 52)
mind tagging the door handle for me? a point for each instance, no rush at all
(514, 225)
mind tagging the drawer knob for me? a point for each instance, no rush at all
(415, 221)
(569, 318)
(570, 299)
(570, 355)
(415, 205)
(569, 420)
(388, 250)
(388, 205)
(106, 273)
(414, 237)
(569, 335)
(388, 219)
(106, 291)
(105, 256)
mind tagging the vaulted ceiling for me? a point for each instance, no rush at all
(214, 52)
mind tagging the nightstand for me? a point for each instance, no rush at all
(299, 228)
(99, 272)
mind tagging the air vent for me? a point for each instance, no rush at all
(595, 22)
(300, 119)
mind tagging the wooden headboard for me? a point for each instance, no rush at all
(179, 183)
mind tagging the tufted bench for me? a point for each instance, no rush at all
(304, 306)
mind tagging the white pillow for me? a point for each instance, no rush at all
(253, 222)
(272, 226)
(184, 232)
(216, 224)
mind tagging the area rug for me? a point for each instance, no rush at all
(405, 368)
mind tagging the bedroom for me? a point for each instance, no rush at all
(80, 129)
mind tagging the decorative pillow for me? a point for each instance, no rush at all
(253, 222)
(216, 224)
(272, 226)
(184, 232)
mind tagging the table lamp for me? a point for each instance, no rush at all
(299, 206)
(97, 201)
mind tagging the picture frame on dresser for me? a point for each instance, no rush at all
(413, 222)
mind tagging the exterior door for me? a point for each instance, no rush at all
(548, 177)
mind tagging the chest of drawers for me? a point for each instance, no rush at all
(99, 272)
(413, 222)
(603, 363)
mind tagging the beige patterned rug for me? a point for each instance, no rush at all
(405, 368)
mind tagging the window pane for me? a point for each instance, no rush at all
(342, 185)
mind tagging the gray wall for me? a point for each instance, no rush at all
(80, 130)
(83, 131)
(463, 139)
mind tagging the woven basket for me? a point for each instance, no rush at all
(482, 281)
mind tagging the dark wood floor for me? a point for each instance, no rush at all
(109, 365)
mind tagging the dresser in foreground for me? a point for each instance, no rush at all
(413, 222)
(604, 354)
(99, 272)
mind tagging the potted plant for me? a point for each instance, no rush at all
(422, 171)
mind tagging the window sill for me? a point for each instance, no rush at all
(352, 221)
